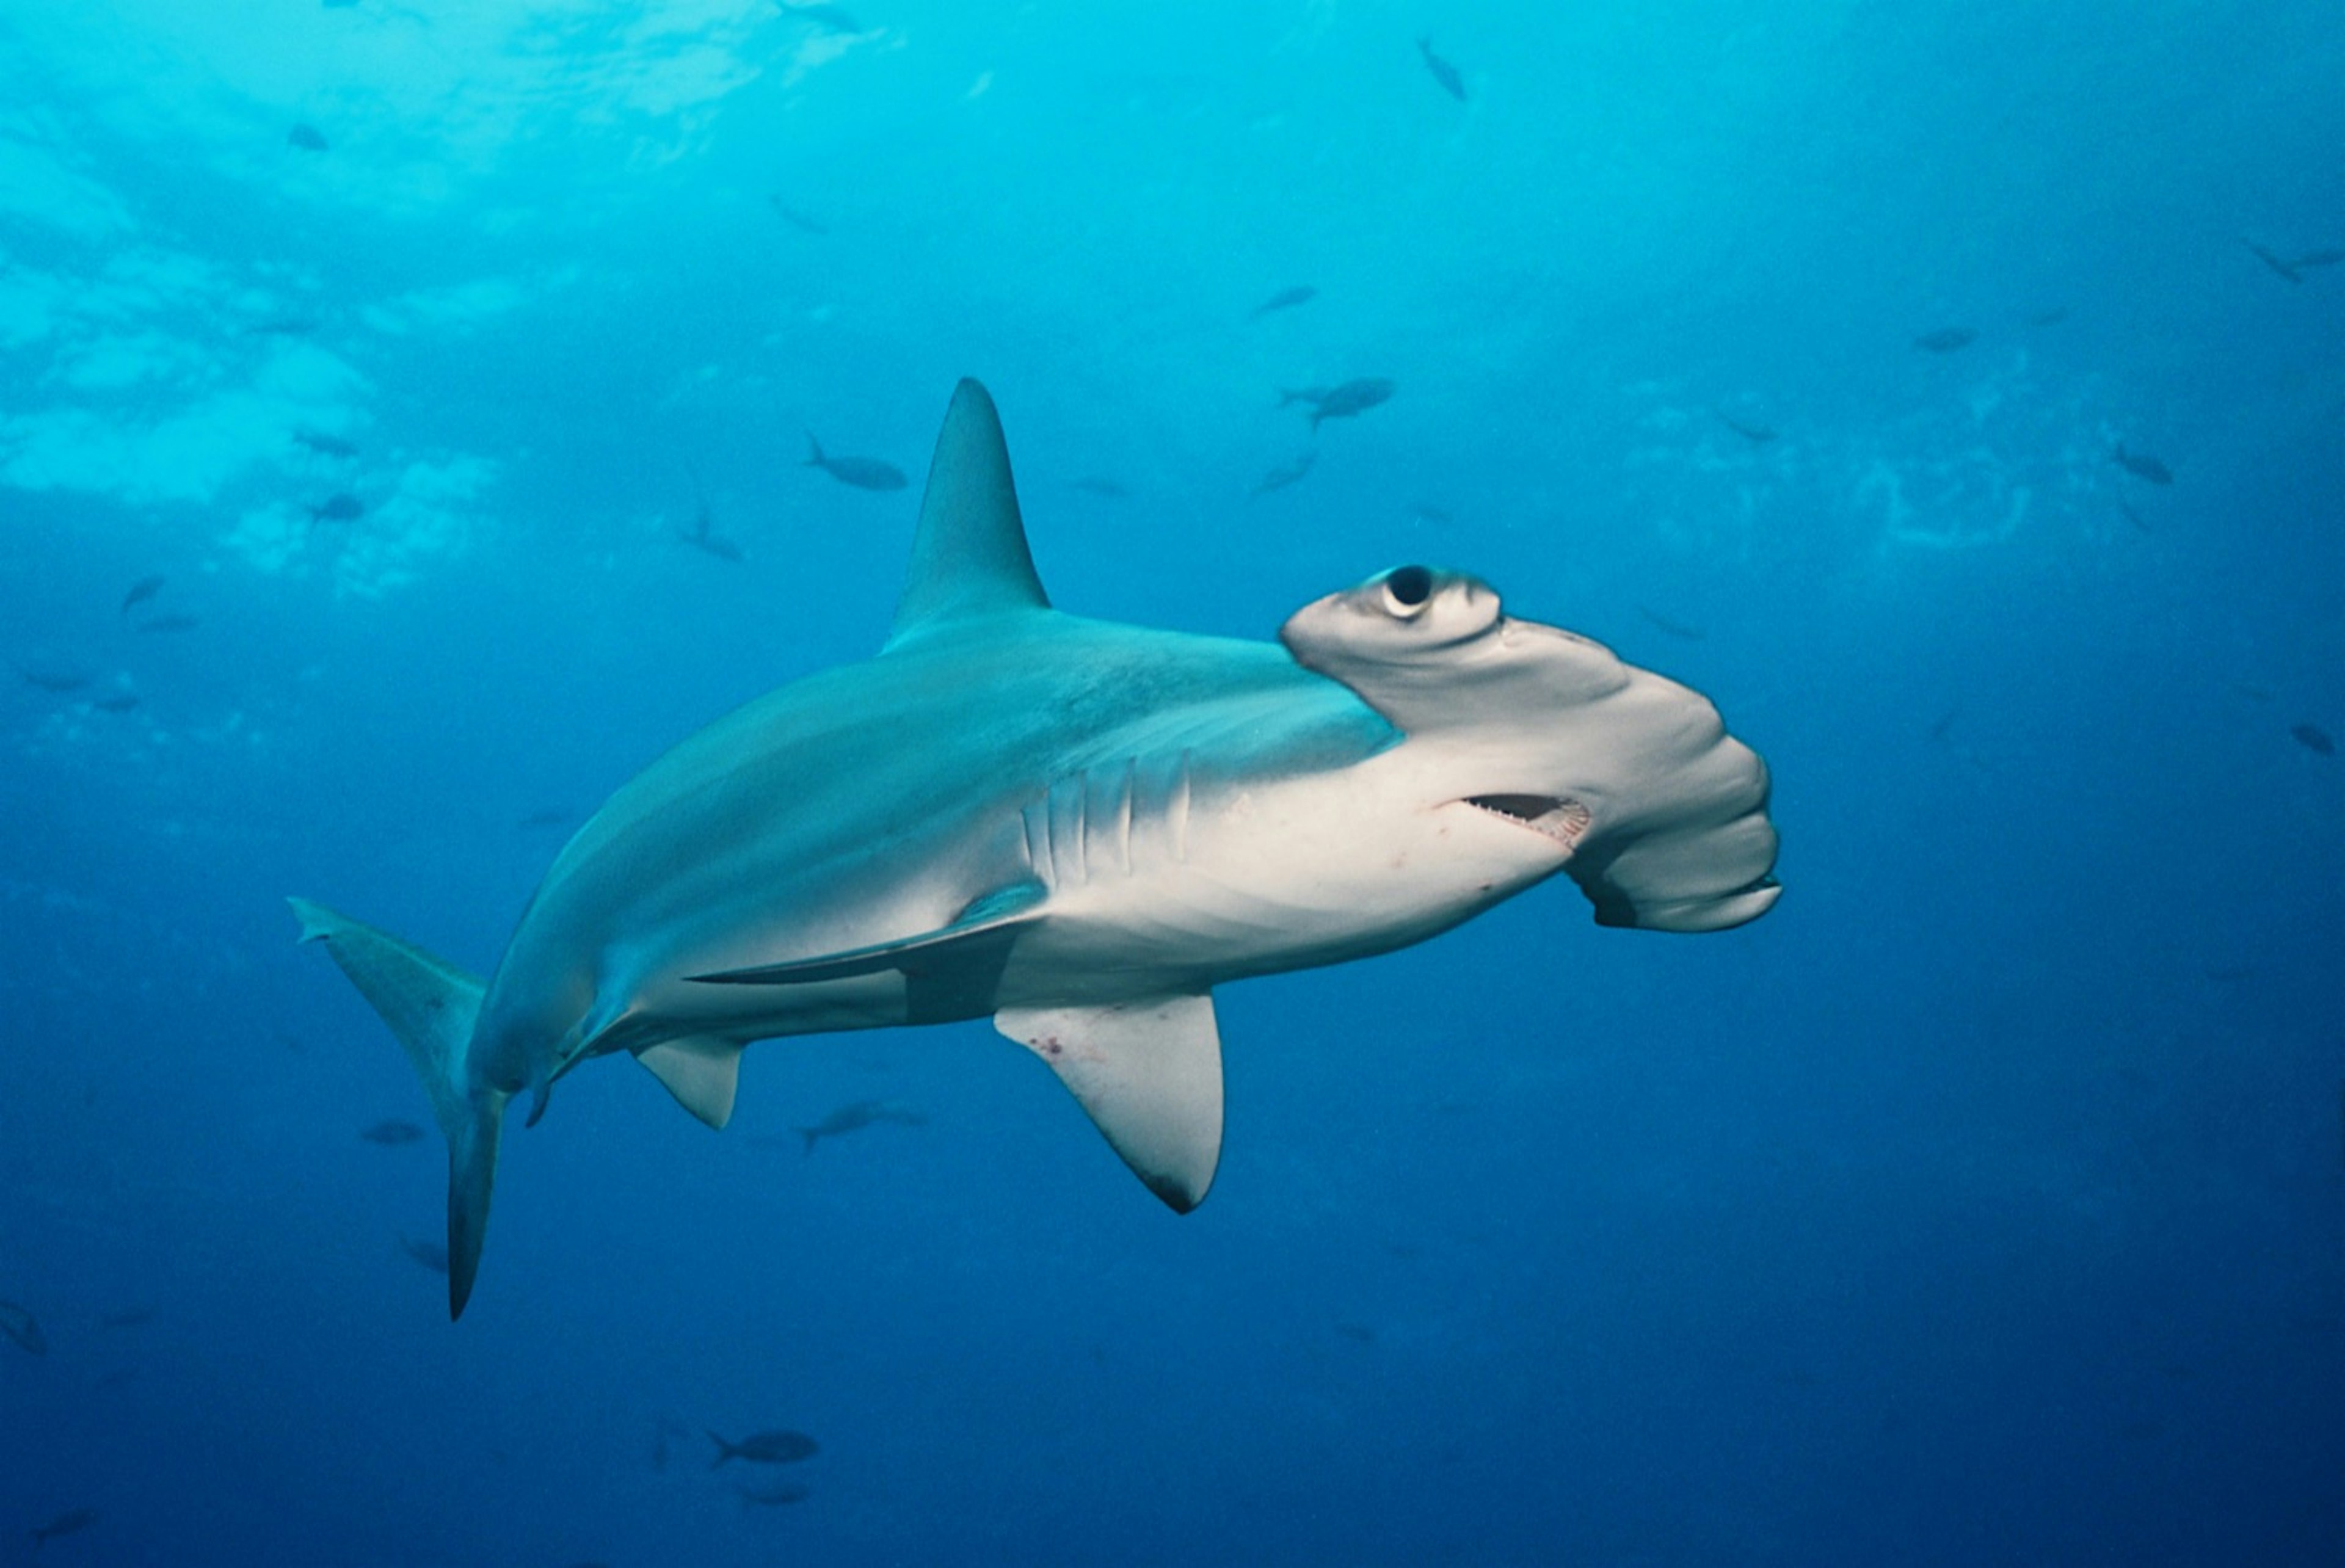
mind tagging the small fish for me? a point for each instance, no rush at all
(2328, 256)
(19, 1325)
(431, 1254)
(702, 536)
(325, 445)
(1105, 488)
(2052, 318)
(2141, 465)
(2252, 692)
(1945, 723)
(392, 1134)
(282, 327)
(794, 217)
(143, 589)
(2133, 517)
(829, 18)
(773, 1494)
(2284, 268)
(57, 678)
(1425, 512)
(339, 507)
(1279, 479)
(1286, 298)
(129, 1317)
(1679, 629)
(1946, 339)
(1347, 402)
(2314, 739)
(306, 138)
(545, 817)
(1443, 71)
(857, 1115)
(781, 1447)
(1748, 431)
(169, 623)
(863, 473)
(65, 1523)
(667, 1427)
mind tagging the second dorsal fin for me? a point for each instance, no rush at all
(968, 555)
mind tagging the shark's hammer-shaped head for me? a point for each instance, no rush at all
(1662, 814)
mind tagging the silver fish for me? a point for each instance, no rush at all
(1347, 402)
(19, 1324)
(863, 473)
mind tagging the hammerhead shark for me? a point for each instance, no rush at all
(1078, 829)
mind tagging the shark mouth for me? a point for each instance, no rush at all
(1560, 819)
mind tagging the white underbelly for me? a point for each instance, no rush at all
(1275, 877)
(1154, 889)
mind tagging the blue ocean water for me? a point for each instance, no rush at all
(452, 368)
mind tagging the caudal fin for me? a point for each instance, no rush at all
(430, 1006)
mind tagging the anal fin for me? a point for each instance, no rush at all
(702, 1071)
(1150, 1073)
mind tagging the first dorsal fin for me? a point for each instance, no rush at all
(968, 556)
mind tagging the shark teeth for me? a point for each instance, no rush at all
(1562, 819)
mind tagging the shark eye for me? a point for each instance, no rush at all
(1406, 588)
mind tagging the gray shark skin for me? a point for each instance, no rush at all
(1078, 829)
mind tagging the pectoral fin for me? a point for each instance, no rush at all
(989, 922)
(1150, 1073)
(702, 1071)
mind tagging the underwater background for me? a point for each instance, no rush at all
(404, 411)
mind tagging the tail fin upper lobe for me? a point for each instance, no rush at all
(430, 1006)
